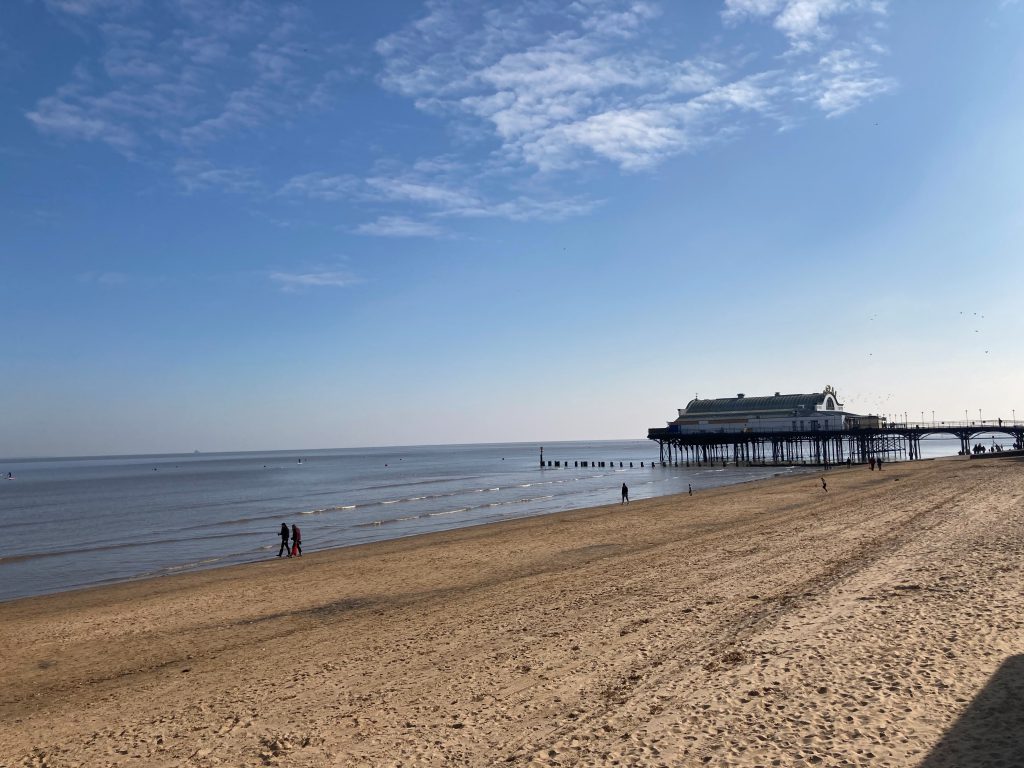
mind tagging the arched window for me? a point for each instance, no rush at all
(830, 404)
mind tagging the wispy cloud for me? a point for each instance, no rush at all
(427, 183)
(560, 89)
(399, 226)
(415, 190)
(73, 113)
(740, 10)
(321, 186)
(104, 278)
(292, 282)
(529, 209)
(197, 174)
(802, 21)
(91, 7)
(191, 74)
(436, 188)
(543, 91)
(842, 81)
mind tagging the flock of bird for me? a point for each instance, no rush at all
(879, 403)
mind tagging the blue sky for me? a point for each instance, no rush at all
(249, 225)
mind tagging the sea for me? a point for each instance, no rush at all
(77, 522)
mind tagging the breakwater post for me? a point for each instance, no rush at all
(591, 463)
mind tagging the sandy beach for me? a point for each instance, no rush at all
(769, 624)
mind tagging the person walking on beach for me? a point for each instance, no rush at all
(625, 494)
(824, 485)
(871, 461)
(284, 540)
(878, 461)
(689, 489)
(296, 541)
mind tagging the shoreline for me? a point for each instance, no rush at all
(180, 569)
(750, 622)
(328, 551)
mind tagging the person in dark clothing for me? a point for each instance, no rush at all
(625, 494)
(296, 541)
(824, 485)
(284, 540)
(878, 463)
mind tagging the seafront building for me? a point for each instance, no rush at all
(804, 429)
(776, 413)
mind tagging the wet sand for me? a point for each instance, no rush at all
(881, 624)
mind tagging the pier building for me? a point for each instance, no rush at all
(803, 429)
(778, 412)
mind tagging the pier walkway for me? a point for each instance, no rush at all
(893, 441)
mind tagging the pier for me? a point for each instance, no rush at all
(823, 446)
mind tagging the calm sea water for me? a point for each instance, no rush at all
(71, 523)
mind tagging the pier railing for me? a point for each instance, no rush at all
(986, 425)
(825, 444)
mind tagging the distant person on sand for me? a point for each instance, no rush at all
(824, 485)
(871, 461)
(284, 540)
(625, 494)
(296, 540)
(878, 461)
(689, 489)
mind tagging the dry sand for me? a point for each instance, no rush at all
(767, 624)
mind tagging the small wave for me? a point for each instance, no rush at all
(193, 564)
(387, 521)
(325, 510)
(87, 548)
(416, 481)
(235, 521)
(527, 499)
(448, 512)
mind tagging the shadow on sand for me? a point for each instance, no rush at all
(991, 732)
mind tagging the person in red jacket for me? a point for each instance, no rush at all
(296, 541)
